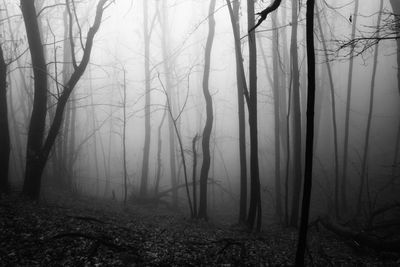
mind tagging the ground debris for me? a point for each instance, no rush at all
(87, 232)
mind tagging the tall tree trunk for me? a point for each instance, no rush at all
(369, 120)
(124, 140)
(305, 209)
(37, 151)
(277, 132)
(147, 130)
(205, 167)
(333, 111)
(241, 88)
(167, 69)
(396, 10)
(4, 129)
(159, 147)
(255, 194)
(347, 120)
(296, 120)
(35, 160)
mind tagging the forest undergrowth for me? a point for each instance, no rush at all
(81, 231)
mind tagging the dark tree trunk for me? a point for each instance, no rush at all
(194, 171)
(241, 88)
(343, 188)
(305, 209)
(396, 10)
(254, 215)
(147, 130)
(205, 167)
(296, 119)
(35, 160)
(159, 147)
(4, 129)
(37, 152)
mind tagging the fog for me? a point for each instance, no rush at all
(92, 139)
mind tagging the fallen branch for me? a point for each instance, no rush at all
(361, 238)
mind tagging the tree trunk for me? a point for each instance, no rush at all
(305, 209)
(171, 134)
(255, 194)
(35, 160)
(277, 132)
(4, 129)
(369, 120)
(209, 111)
(296, 120)
(194, 171)
(147, 130)
(159, 147)
(347, 120)
(241, 88)
(37, 152)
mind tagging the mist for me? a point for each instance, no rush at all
(201, 110)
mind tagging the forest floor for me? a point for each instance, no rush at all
(78, 231)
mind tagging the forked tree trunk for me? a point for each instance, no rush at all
(210, 116)
(37, 151)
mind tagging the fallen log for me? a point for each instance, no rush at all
(361, 237)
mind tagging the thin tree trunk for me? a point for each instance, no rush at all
(159, 148)
(296, 120)
(333, 111)
(277, 132)
(124, 141)
(147, 129)
(4, 129)
(305, 209)
(167, 69)
(254, 215)
(241, 88)
(209, 111)
(369, 120)
(347, 120)
(194, 171)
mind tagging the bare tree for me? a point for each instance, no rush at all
(38, 148)
(4, 129)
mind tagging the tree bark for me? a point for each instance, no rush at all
(210, 116)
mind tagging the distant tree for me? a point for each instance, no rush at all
(4, 129)
(39, 146)
(296, 119)
(147, 129)
(210, 116)
(369, 119)
(343, 190)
